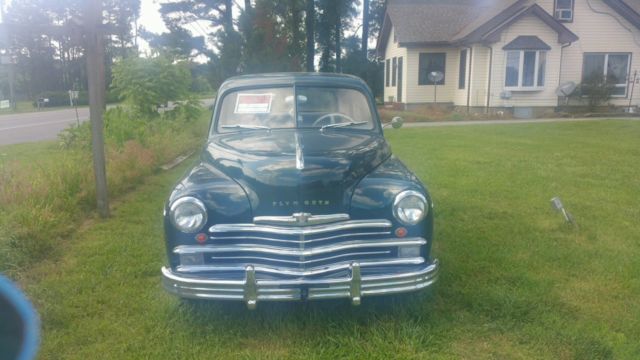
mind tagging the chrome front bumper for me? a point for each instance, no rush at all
(251, 290)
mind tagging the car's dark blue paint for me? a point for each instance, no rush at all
(244, 174)
(264, 164)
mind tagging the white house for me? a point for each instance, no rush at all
(506, 53)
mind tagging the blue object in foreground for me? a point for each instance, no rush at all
(19, 324)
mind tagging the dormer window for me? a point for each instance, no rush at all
(564, 10)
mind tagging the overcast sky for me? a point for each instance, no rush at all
(150, 16)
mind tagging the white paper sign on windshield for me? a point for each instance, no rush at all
(253, 103)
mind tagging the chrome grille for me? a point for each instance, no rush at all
(297, 249)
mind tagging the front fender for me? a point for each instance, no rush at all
(373, 197)
(225, 200)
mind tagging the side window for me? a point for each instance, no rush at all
(428, 63)
(564, 10)
(386, 70)
(394, 72)
(613, 68)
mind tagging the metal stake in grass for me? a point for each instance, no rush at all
(557, 204)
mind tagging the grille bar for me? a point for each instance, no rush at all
(189, 249)
(249, 259)
(307, 230)
(297, 241)
(296, 272)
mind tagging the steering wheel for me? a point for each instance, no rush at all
(332, 117)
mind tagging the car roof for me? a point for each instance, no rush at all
(283, 79)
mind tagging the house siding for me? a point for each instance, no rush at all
(416, 93)
(604, 32)
(393, 50)
(479, 77)
(599, 28)
(529, 25)
(460, 95)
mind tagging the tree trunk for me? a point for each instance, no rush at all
(228, 16)
(309, 22)
(296, 36)
(365, 29)
(338, 48)
(247, 5)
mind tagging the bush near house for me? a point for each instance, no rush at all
(596, 89)
(438, 113)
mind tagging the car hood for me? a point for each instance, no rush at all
(321, 181)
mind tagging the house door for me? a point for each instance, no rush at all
(399, 79)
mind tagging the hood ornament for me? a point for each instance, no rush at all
(299, 157)
(301, 217)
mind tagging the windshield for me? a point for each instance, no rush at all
(274, 108)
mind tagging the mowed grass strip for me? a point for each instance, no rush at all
(516, 282)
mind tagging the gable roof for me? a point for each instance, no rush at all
(434, 21)
(564, 35)
(628, 9)
(453, 22)
(527, 42)
(634, 4)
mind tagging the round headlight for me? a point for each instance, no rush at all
(410, 207)
(188, 214)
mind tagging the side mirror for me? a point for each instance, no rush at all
(395, 123)
(19, 324)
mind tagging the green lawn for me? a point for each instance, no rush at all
(516, 281)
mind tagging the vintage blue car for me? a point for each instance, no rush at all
(297, 196)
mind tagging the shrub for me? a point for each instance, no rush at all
(42, 200)
(201, 85)
(596, 89)
(146, 83)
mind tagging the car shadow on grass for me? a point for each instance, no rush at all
(336, 311)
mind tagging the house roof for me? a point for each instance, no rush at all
(634, 4)
(434, 21)
(527, 42)
(628, 9)
(450, 22)
(564, 35)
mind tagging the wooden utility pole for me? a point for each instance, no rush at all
(365, 29)
(95, 75)
(310, 19)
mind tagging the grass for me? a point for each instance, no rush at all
(47, 189)
(516, 282)
(27, 106)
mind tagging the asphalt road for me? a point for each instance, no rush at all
(43, 125)
(37, 126)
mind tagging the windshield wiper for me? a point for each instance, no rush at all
(247, 127)
(344, 124)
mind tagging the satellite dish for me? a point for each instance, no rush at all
(436, 76)
(566, 89)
